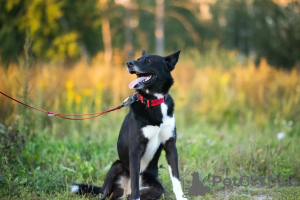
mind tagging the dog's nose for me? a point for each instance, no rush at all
(130, 63)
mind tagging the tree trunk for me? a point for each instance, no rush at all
(128, 31)
(159, 27)
(106, 34)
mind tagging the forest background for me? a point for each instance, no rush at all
(237, 89)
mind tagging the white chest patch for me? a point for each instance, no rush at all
(157, 135)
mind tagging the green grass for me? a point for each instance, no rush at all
(41, 164)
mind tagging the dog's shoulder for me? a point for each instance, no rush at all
(170, 105)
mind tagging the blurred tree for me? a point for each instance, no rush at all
(159, 27)
(50, 41)
(261, 28)
(106, 33)
(60, 30)
(128, 47)
(67, 30)
(285, 49)
(265, 15)
(82, 18)
(181, 18)
(11, 37)
(237, 31)
(128, 31)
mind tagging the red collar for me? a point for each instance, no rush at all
(151, 102)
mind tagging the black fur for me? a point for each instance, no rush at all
(132, 143)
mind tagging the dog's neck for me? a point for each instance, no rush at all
(148, 95)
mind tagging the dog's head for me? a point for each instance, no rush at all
(153, 72)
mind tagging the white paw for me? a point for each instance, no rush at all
(74, 188)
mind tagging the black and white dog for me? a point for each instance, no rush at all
(148, 128)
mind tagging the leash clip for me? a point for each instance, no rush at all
(128, 101)
(124, 102)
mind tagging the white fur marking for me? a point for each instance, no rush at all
(151, 133)
(74, 188)
(176, 186)
(157, 135)
(159, 96)
(124, 183)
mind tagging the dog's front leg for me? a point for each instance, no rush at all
(136, 152)
(172, 159)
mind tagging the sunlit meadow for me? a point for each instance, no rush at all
(233, 119)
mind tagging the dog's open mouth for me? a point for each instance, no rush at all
(142, 78)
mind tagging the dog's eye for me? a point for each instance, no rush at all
(148, 60)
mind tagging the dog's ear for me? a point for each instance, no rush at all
(144, 52)
(172, 59)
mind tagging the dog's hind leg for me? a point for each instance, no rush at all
(150, 188)
(117, 169)
(118, 194)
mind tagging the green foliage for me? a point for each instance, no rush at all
(43, 165)
(228, 115)
(11, 38)
(59, 29)
(260, 28)
(67, 30)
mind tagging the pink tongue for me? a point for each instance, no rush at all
(136, 81)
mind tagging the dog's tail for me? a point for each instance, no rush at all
(84, 189)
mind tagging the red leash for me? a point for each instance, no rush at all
(64, 115)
